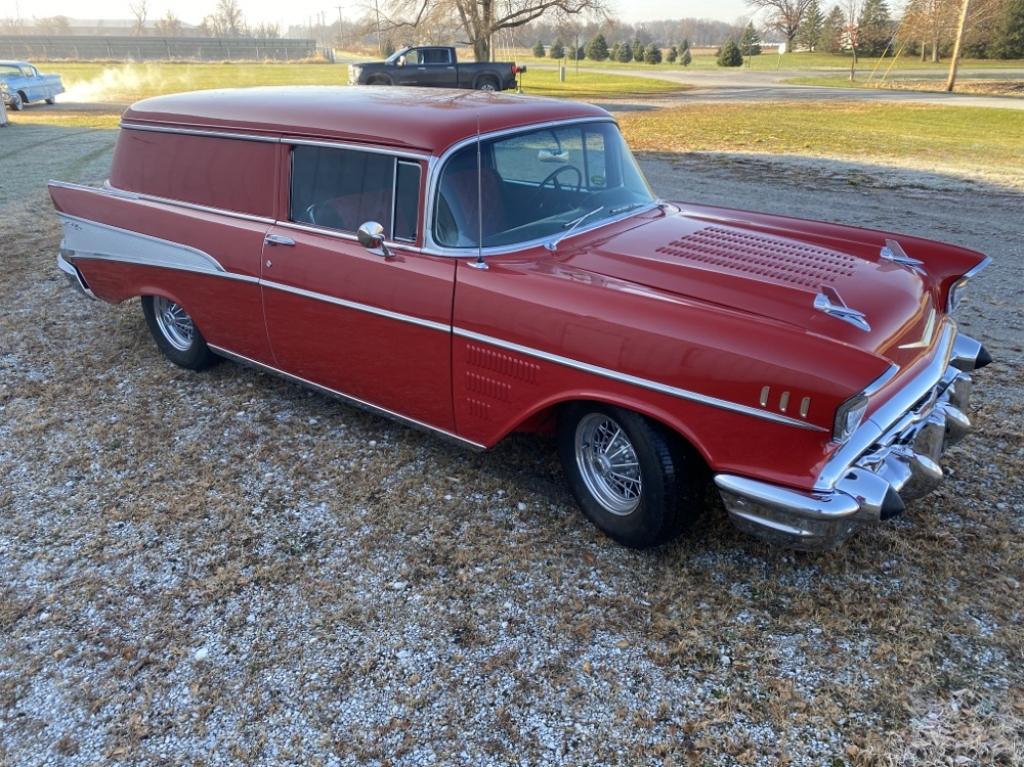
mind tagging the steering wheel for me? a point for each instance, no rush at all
(553, 178)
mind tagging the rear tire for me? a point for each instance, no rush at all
(176, 335)
(51, 101)
(487, 84)
(633, 478)
(17, 104)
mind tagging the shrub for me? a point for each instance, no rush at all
(672, 55)
(597, 49)
(557, 49)
(653, 54)
(687, 57)
(729, 55)
(538, 50)
(625, 53)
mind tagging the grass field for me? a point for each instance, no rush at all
(972, 140)
(920, 81)
(795, 62)
(124, 83)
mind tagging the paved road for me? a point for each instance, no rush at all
(746, 87)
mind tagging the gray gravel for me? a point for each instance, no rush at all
(223, 568)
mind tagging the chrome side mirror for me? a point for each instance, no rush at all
(371, 236)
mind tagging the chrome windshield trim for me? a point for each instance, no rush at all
(376, 409)
(645, 383)
(883, 419)
(435, 176)
(444, 328)
(201, 132)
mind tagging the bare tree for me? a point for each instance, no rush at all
(168, 26)
(227, 20)
(783, 15)
(480, 19)
(266, 31)
(140, 9)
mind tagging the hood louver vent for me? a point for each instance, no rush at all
(770, 258)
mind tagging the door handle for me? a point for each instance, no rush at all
(278, 239)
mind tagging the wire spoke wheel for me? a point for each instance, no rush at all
(175, 324)
(608, 464)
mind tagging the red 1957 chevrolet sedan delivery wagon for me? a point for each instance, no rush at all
(481, 263)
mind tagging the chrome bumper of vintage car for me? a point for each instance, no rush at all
(892, 458)
(68, 270)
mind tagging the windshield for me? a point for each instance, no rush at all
(537, 185)
(395, 56)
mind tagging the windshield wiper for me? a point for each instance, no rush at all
(572, 225)
(624, 208)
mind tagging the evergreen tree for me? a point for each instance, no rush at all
(538, 50)
(809, 34)
(597, 49)
(577, 54)
(625, 53)
(653, 54)
(687, 57)
(613, 54)
(638, 50)
(684, 45)
(750, 43)
(832, 31)
(1009, 37)
(558, 49)
(874, 28)
(672, 55)
(729, 55)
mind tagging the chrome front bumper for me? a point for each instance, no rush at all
(892, 458)
(68, 270)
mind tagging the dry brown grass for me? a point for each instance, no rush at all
(368, 594)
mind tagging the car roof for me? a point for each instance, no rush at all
(423, 119)
(13, 63)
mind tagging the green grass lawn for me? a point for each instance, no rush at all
(993, 85)
(961, 139)
(789, 62)
(115, 84)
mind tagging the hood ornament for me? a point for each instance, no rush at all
(894, 252)
(830, 302)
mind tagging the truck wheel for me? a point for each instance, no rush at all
(630, 475)
(487, 84)
(380, 81)
(176, 334)
(17, 104)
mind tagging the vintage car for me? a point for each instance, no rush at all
(479, 263)
(435, 66)
(21, 83)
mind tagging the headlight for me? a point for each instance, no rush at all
(956, 294)
(848, 417)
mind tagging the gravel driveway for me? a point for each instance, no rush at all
(222, 568)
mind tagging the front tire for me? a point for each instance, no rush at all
(16, 104)
(633, 478)
(176, 334)
(51, 101)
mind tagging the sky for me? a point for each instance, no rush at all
(299, 11)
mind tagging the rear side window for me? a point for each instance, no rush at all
(436, 56)
(342, 189)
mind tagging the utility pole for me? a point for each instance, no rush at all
(965, 9)
(341, 28)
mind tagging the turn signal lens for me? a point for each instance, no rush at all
(848, 417)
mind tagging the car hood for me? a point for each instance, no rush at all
(776, 274)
